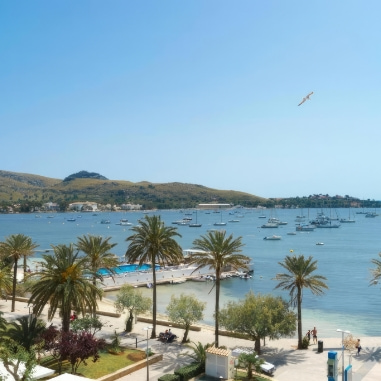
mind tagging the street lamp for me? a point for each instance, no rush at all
(342, 351)
(147, 329)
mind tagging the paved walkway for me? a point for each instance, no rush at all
(291, 364)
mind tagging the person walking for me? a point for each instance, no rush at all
(358, 346)
(314, 335)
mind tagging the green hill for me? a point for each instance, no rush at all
(21, 187)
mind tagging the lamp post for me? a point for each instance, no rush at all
(147, 329)
(342, 351)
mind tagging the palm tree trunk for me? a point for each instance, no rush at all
(95, 295)
(24, 265)
(217, 307)
(66, 319)
(153, 334)
(300, 334)
(14, 286)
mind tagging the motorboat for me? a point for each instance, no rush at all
(319, 243)
(124, 222)
(305, 228)
(322, 221)
(105, 221)
(273, 238)
(269, 225)
(274, 220)
(291, 233)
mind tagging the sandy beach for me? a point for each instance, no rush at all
(291, 364)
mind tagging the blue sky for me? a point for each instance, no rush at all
(202, 92)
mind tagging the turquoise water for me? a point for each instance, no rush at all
(127, 269)
(344, 259)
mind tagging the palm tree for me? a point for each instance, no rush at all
(15, 247)
(199, 353)
(219, 252)
(62, 283)
(300, 275)
(376, 273)
(98, 255)
(26, 331)
(5, 280)
(153, 242)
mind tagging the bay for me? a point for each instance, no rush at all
(344, 259)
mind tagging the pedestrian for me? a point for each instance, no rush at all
(358, 346)
(314, 335)
(308, 335)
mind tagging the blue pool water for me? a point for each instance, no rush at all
(127, 269)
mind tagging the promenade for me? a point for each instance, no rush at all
(291, 364)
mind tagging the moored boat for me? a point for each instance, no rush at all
(273, 238)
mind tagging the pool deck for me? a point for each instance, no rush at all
(175, 274)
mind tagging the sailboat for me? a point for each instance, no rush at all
(220, 223)
(349, 219)
(195, 225)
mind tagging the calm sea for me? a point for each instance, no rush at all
(344, 259)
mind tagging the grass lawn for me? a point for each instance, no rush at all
(107, 363)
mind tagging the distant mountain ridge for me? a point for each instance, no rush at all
(89, 186)
(85, 175)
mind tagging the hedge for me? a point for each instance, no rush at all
(189, 371)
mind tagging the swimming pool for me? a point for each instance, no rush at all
(127, 269)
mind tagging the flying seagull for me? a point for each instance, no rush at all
(306, 98)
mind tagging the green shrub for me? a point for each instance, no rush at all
(305, 342)
(189, 371)
(169, 377)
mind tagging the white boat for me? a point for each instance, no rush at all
(319, 243)
(269, 225)
(349, 219)
(195, 224)
(124, 222)
(273, 238)
(305, 228)
(234, 221)
(274, 220)
(105, 221)
(346, 220)
(220, 223)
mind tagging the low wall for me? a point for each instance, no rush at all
(167, 323)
